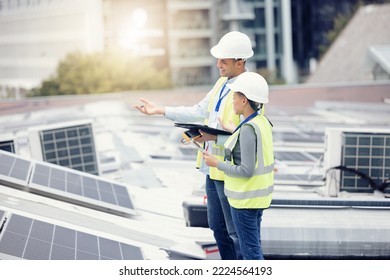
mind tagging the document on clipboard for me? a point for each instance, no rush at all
(192, 133)
(193, 128)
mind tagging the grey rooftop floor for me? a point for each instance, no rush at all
(145, 154)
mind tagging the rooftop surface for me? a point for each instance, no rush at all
(145, 154)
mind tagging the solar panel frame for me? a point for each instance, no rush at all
(33, 239)
(66, 184)
(81, 188)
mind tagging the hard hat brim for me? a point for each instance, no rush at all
(252, 85)
(248, 96)
(219, 54)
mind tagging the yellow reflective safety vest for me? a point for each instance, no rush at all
(227, 114)
(255, 191)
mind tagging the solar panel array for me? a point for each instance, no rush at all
(368, 153)
(81, 185)
(297, 156)
(299, 179)
(26, 238)
(71, 147)
(302, 137)
(65, 184)
(8, 146)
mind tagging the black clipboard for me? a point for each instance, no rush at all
(194, 127)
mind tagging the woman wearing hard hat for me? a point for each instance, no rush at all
(231, 51)
(249, 163)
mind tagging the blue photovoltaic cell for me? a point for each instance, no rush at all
(32, 239)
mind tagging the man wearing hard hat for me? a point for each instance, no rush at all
(231, 52)
(248, 163)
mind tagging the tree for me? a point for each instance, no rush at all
(80, 73)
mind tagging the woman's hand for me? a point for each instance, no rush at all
(210, 160)
(206, 137)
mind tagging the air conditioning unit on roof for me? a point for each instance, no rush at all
(69, 144)
(357, 160)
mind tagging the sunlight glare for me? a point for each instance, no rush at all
(139, 17)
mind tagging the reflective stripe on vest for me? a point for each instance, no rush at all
(227, 114)
(250, 194)
(256, 191)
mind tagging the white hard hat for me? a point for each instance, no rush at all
(252, 85)
(233, 45)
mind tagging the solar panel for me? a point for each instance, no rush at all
(65, 184)
(26, 238)
(296, 156)
(8, 146)
(304, 137)
(66, 144)
(13, 169)
(368, 153)
(332, 202)
(84, 189)
(299, 179)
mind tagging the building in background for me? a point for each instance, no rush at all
(287, 35)
(177, 34)
(181, 33)
(139, 27)
(193, 27)
(196, 26)
(192, 32)
(35, 35)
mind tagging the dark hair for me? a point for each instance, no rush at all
(255, 105)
